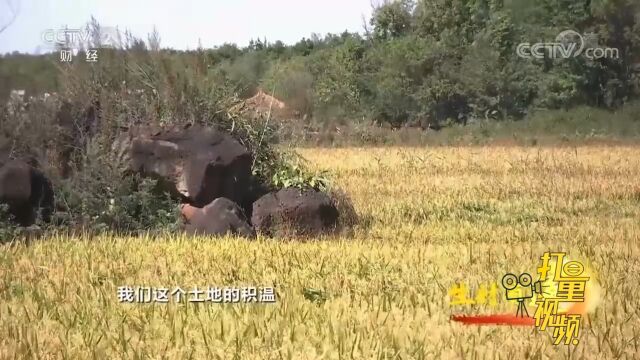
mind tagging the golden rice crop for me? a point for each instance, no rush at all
(430, 218)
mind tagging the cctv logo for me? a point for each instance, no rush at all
(568, 44)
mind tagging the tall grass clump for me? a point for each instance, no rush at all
(131, 84)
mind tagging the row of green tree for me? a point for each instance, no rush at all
(422, 61)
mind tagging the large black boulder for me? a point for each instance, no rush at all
(221, 217)
(197, 164)
(295, 212)
(26, 191)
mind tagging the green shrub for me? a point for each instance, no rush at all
(131, 86)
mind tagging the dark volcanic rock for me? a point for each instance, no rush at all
(219, 218)
(27, 192)
(294, 212)
(196, 164)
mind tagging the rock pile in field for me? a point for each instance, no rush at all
(210, 172)
(294, 212)
(221, 217)
(26, 191)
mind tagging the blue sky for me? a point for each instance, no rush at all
(182, 23)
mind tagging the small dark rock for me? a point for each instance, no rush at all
(219, 218)
(295, 212)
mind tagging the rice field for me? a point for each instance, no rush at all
(431, 218)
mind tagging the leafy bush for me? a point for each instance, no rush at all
(297, 177)
(129, 205)
(129, 86)
(293, 84)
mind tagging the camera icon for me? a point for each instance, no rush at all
(521, 288)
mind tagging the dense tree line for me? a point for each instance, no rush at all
(423, 61)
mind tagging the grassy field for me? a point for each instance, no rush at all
(431, 217)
